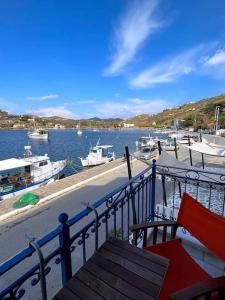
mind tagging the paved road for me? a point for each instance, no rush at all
(40, 221)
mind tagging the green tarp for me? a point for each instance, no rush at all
(27, 199)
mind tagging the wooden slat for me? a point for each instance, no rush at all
(77, 286)
(129, 265)
(155, 233)
(164, 233)
(66, 294)
(152, 224)
(138, 259)
(139, 251)
(117, 283)
(145, 238)
(117, 271)
(99, 286)
(130, 277)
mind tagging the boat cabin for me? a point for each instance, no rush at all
(145, 141)
(14, 173)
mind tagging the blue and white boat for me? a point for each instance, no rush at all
(19, 175)
(98, 155)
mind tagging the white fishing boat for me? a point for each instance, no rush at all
(168, 145)
(39, 134)
(98, 155)
(145, 141)
(185, 140)
(145, 153)
(19, 175)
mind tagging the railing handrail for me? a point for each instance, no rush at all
(191, 168)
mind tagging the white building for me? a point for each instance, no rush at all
(59, 126)
(128, 125)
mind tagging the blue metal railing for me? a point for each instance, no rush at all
(76, 239)
(113, 216)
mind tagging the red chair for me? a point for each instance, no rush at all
(185, 279)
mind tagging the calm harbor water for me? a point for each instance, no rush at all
(66, 144)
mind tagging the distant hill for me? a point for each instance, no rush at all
(96, 119)
(24, 121)
(198, 114)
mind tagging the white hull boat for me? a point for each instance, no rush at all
(145, 141)
(38, 134)
(145, 153)
(98, 155)
(168, 145)
(19, 175)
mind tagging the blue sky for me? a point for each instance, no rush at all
(109, 58)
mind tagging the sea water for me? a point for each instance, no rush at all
(66, 144)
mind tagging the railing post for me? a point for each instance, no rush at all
(64, 241)
(127, 154)
(131, 185)
(203, 163)
(175, 147)
(159, 148)
(189, 144)
(153, 189)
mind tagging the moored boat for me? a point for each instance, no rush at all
(98, 155)
(145, 153)
(145, 141)
(39, 134)
(18, 175)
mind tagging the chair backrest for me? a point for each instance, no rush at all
(206, 226)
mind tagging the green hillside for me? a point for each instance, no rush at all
(198, 114)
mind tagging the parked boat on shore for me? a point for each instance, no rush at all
(18, 175)
(98, 155)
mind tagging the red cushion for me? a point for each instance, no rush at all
(192, 214)
(182, 272)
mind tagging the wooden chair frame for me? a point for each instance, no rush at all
(196, 291)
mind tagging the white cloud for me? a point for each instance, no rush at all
(85, 102)
(135, 27)
(60, 111)
(168, 70)
(42, 98)
(214, 65)
(217, 59)
(130, 108)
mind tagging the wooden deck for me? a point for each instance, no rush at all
(117, 271)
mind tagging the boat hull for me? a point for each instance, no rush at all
(38, 137)
(55, 175)
(93, 163)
